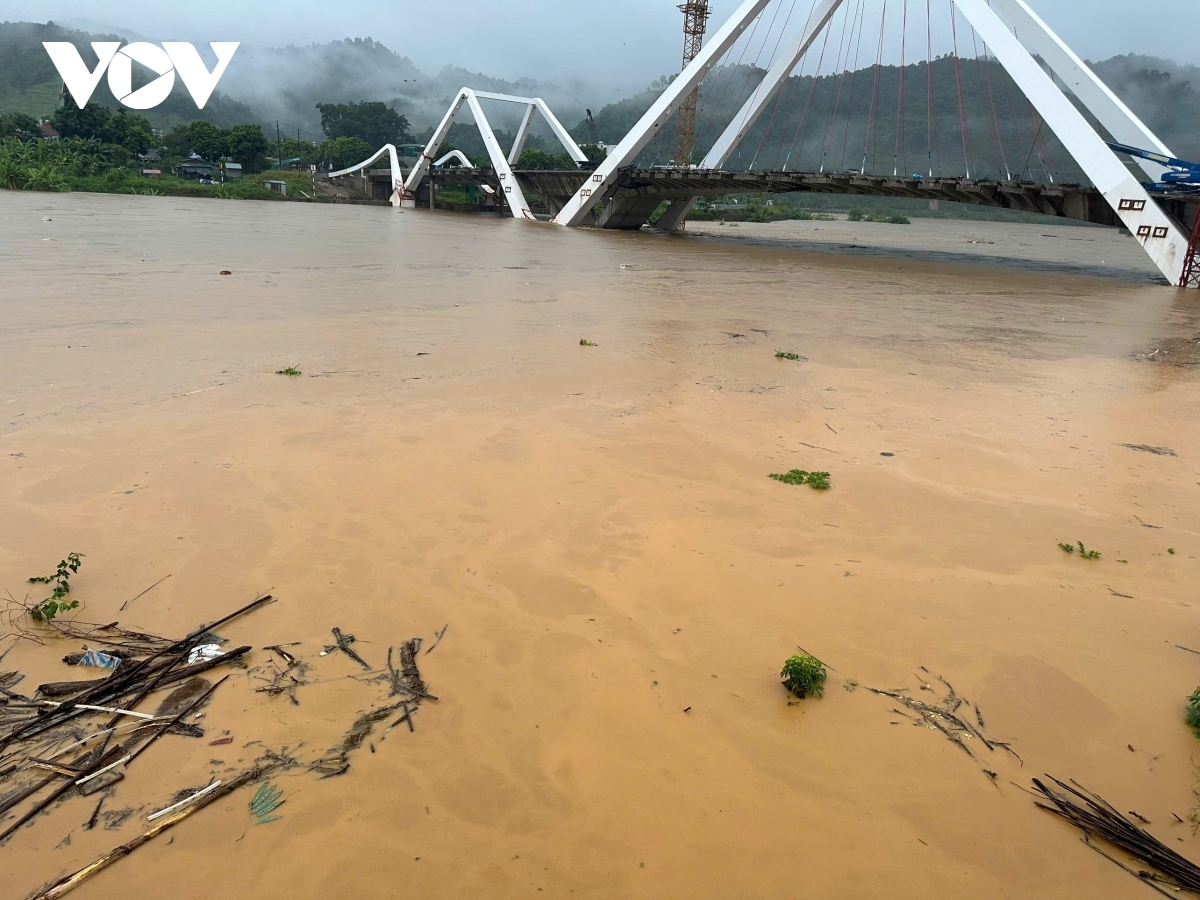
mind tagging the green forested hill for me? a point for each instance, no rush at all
(800, 130)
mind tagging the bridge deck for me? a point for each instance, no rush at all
(640, 191)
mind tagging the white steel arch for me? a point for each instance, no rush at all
(402, 188)
(501, 163)
(455, 154)
(398, 194)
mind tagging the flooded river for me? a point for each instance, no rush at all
(620, 579)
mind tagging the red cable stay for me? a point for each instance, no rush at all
(874, 92)
(807, 105)
(780, 90)
(993, 126)
(930, 118)
(900, 93)
(850, 106)
(835, 100)
(962, 111)
(711, 120)
(797, 78)
(767, 37)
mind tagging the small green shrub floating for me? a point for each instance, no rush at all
(1192, 717)
(805, 675)
(816, 480)
(54, 604)
(788, 354)
(290, 371)
(1083, 551)
(584, 342)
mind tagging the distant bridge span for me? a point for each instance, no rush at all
(639, 193)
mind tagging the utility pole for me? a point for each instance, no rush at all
(278, 147)
(695, 21)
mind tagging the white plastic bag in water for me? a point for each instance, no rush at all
(204, 653)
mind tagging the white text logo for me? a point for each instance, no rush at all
(171, 58)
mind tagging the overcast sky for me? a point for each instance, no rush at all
(618, 42)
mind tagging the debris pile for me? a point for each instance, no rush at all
(1097, 818)
(942, 714)
(78, 738)
(405, 682)
(45, 746)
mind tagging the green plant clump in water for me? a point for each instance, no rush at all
(1171, 550)
(1083, 551)
(816, 480)
(805, 675)
(787, 354)
(291, 371)
(54, 604)
(1192, 717)
(584, 342)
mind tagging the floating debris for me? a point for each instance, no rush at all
(1097, 818)
(343, 643)
(942, 715)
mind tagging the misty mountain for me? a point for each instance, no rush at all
(286, 84)
(855, 120)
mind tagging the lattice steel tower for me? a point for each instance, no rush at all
(1191, 262)
(695, 21)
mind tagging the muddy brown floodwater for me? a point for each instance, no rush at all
(621, 579)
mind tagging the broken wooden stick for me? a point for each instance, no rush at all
(1095, 817)
(67, 883)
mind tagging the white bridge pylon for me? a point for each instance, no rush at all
(1158, 234)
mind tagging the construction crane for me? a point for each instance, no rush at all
(695, 21)
(592, 134)
(1185, 177)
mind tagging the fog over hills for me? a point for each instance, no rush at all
(284, 84)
